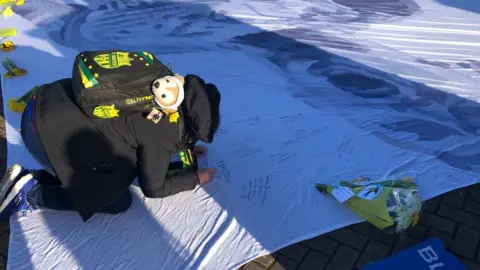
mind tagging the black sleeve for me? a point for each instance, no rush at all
(156, 177)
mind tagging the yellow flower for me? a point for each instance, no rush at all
(16, 106)
(7, 46)
(7, 12)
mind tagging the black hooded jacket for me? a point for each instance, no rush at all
(97, 160)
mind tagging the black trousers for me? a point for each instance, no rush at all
(49, 193)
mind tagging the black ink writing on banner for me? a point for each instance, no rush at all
(344, 145)
(303, 134)
(241, 143)
(253, 190)
(224, 170)
(281, 157)
(256, 190)
(292, 118)
(244, 193)
(346, 148)
(250, 139)
(246, 151)
(317, 130)
(221, 132)
(252, 121)
(264, 188)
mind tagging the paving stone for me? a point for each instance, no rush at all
(418, 232)
(474, 193)
(456, 198)
(470, 265)
(436, 222)
(349, 237)
(431, 205)
(459, 216)
(4, 226)
(4, 239)
(295, 252)
(403, 243)
(473, 207)
(344, 259)
(478, 256)
(3, 262)
(465, 242)
(374, 252)
(373, 232)
(314, 261)
(323, 245)
(252, 266)
(284, 263)
(265, 261)
(445, 238)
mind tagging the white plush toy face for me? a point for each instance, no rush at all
(168, 92)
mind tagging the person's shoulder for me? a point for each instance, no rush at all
(55, 94)
(52, 88)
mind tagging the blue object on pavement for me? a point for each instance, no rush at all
(429, 255)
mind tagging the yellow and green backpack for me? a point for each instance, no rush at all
(108, 84)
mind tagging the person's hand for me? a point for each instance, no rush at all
(205, 175)
(200, 151)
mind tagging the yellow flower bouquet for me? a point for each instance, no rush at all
(393, 205)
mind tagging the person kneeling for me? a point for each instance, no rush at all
(88, 165)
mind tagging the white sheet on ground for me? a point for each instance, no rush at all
(313, 91)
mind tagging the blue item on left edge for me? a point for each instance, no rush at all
(16, 199)
(428, 255)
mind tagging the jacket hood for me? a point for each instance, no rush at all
(201, 108)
